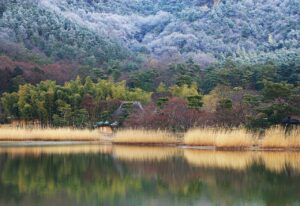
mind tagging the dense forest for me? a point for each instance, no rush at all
(257, 96)
(217, 63)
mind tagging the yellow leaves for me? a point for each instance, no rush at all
(184, 90)
(107, 89)
(161, 88)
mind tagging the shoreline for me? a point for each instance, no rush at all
(44, 143)
(16, 143)
(215, 139)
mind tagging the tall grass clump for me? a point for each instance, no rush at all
(236, 138)
(48, 134)
(200, 137)
(152, 137)
(220, 138)
(276, 137)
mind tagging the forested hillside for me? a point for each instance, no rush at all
(33, 29)
(189, 28)
(93, 32)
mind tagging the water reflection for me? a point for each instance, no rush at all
(123, 175)
(55, 150)
(136, 153)
(273, 161)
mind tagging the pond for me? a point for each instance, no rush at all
(129, 175)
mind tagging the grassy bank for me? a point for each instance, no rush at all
(48, 134)
(219, 138)
(274, 138)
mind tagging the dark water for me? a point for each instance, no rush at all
(105, 175)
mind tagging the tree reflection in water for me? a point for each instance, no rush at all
(114, 175)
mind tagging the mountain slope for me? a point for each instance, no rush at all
(189, 28)
(94, 32)
(26, 24)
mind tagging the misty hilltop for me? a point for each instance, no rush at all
(96, 31)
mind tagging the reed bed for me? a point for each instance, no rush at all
(55, 150)
(238, 138)
(136, 153)
(147, 137)
(48, 134)
(200, 137)
(220, 138)
(275, 137)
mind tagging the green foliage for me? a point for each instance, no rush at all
(278, 101)
(274, 90)
(276, 112)
(143, 80)
(9, 102)
(250, 76)
(16, 82)
(186, 73)
(259, 121)
(195, 102)
(162, 101)
(225, 104)
(77, 103)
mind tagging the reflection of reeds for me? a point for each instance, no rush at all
(144, 137)
(136, 153)
(217, 159)
(280, 161)
(236, 138)
(276, 138)
(71, 149)
(273, 161)
(48, 134)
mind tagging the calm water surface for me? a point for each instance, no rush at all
(123, 175)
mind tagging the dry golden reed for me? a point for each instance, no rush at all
(48, 134)
(200, 137)
(137, 153)
(131, 136)
(222, 138)
(275, 137)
